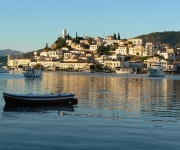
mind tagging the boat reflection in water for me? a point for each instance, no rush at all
(38, 108)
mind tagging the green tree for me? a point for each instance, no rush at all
(46, 48)
(86, 46)
(115, 36)
(102, 50)
(98, 67)
(61, 43)
(76, 35)
(90, 41)
(20, 66)
(119, 36)
(92, 67)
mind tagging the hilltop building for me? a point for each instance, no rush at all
(64, 33)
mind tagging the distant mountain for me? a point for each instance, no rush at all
(9, 51)
(169, 37)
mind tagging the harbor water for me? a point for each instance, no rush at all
(113, 112)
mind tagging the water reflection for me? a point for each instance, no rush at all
(37, 108)
(103, 93)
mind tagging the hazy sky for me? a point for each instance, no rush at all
(27, 25)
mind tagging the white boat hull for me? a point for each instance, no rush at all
(30, 72)
(32, 75)
(155, 74)
(156, 70)
(125, 71)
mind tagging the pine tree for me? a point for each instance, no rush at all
(76, 35)
(115, 36)
(119, 36)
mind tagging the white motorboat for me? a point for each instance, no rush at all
(2, 70)
(125, 71)
(30, 72)
(156, 70)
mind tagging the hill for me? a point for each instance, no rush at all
(3, 59)
(169, 37)
(8, 51)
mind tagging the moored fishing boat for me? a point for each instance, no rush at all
(31, 72)
(30, 98)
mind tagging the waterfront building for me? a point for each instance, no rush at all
(11, 57)
(22, 61)
(151, 60)
(78, 65)
(169, 66)
(48, 65)
(138, 66)
(111, 64)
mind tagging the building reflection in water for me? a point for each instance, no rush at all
(105, 92)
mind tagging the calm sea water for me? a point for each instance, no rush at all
(113, 112)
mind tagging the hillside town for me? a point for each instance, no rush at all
(87, 55)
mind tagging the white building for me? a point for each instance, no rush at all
(169, 56)
(123, 50)
(136, 41)
(149, 50)
(117, 57)
(94, 48)
(44, 53)
(136, 50)
(64, 33)
(110, 42)
(69, 42)
(55, 54)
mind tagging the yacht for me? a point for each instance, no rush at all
(156, 70)
(125, 71)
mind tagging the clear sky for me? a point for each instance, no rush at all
(27, 25)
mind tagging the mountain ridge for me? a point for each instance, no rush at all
(6, 52)
(168, 37)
